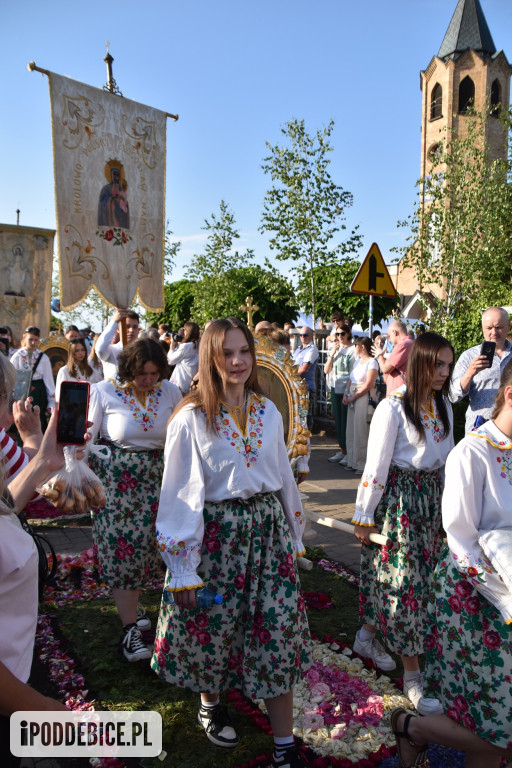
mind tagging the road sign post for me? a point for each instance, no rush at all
(373, 279)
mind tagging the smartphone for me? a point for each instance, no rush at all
(23, 385)
(487, 349)
(72, 413)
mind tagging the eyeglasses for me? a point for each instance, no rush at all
(32, 329)
(305, 335)
(340, 333)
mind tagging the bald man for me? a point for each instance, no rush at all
(474, 377)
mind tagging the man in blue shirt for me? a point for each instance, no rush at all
(306, 357)
(474, 377)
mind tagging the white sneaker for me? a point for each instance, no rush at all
(142, 620)
(336, 457)
(413, 689)
(372, 649)
(343, 461)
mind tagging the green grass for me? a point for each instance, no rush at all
(92, 632)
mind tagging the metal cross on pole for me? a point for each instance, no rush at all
(249, 307)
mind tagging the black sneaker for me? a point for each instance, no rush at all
(217, 725)
(133, 647)
(292, 758)
(142, 620)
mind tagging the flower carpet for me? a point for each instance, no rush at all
(341, 705)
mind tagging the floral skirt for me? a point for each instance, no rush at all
(124, 531)
(258, 639)
(469, 656)
(394, 586)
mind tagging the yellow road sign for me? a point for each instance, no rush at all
(373, 277)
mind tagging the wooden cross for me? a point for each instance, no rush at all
(249, 307)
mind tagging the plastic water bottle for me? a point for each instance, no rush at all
(205, 598)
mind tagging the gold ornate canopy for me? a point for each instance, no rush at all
(280, 380)
(57, 348)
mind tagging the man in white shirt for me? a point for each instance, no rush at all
(474, 377)
(306, 357)
(108, 352)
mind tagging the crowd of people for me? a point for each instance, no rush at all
(199, 480)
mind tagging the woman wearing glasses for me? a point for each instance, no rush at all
(30, 358)
(340, 361)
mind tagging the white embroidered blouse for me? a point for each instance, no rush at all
(22, 362)
(65, 375)
(233, 463)
(478, 497)
(119, 416)
(394, 440)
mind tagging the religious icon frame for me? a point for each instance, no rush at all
(57, 349)
(279, 378)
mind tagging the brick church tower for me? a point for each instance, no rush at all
(468, 70)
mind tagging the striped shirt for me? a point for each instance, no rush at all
(11, 455)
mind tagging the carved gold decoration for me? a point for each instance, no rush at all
(278, 376)
(57, 348)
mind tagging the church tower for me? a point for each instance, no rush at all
(467, 71)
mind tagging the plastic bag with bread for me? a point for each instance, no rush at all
(75, 488)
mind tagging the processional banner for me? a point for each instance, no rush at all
(26, 255)
(109, 159)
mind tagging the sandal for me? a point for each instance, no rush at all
(420, 759)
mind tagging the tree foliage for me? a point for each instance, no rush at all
(215, 290)
(333, 283)
(461, 229)
(305, 209)
(179, 298)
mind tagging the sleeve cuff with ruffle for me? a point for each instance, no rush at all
(300, 549)
(363, 518)
(184, 581)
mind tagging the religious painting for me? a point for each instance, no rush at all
(26, 255)
(109, 159)
(57, 349)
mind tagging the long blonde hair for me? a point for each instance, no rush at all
(211, 352)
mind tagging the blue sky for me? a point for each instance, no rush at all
(235, 72)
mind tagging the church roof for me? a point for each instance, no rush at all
(468, 30)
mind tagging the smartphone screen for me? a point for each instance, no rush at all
(487, 349)
(72, 415)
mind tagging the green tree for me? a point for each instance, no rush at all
(461, 229)
(333, 283)
(305, 209)
(215, 291)
(273, 294)
(179, 298)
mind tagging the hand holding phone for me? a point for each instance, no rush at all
(72, 412)
(487, 350)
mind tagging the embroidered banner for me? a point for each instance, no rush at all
(26, 255)
(109, 159)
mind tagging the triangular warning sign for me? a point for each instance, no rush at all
(373, 277)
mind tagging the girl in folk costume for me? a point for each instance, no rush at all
(230, 517)
(469, 643)
(77, 368)
(30, 358)
(411, 436)
(131, 416)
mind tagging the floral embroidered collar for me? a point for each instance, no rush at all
(144, 413)
(246, 442)
(491, 434)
